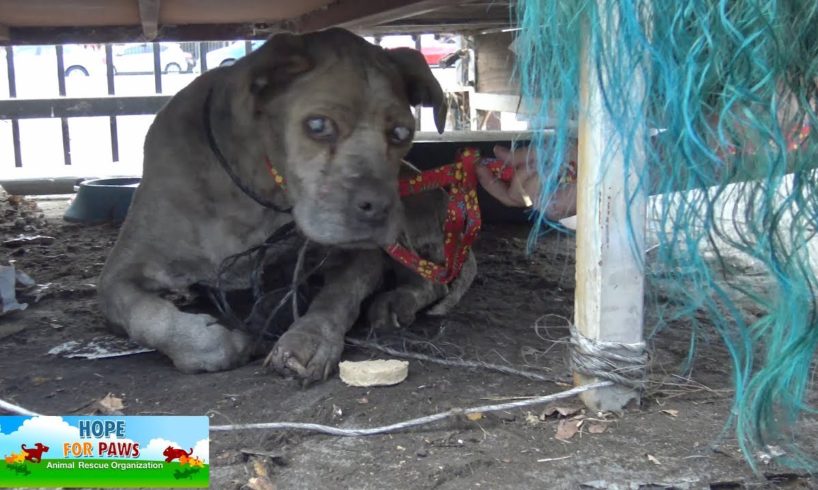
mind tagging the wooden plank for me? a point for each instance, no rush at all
(101, 13)
(473, 136)
(354, 13)
(421, 25)
(511, 103)
(149, 17)
(81, 107)
(501, 102)
(4, 33)
(124, 34)
(181, 12)
(609, 276)
(495, 64)
(28, 13)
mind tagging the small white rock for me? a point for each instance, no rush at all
(373, 373)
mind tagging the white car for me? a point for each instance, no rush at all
(138, 58)
(229, 54)
(77, 60)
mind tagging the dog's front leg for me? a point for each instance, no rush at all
(312, 346)
(194, 342)
(399, 307)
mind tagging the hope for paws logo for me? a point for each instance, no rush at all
(104, 451)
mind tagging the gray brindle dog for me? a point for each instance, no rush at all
(330, 112)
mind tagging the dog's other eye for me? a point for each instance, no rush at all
(320, 128)
(400, 135)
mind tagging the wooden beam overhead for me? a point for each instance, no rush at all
(129, 34)
(149, 17)
(5, 35)
(353, 13)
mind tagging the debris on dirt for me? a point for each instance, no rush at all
(261, 480)
(567, 428)
(24, 279)
(374, 373)
(276, 457)
(562, 411)
(769, 454)
(597, 428)
(8, 295)
(595, 484)
(101, 347)
(260, 483)
(670, 412)
(531, 419)
(548, 460)
(20, 214)
(107, 405)
(507, 417)
(474, 416)
(653, 459)
(29, 240)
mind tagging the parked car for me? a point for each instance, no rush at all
(78, 60)
(434, 48)
(228, 55)
(138, 58)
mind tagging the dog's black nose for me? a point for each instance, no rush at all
(372, 202)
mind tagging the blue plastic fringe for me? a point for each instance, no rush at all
(728, 85)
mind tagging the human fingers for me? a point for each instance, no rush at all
(495, 187)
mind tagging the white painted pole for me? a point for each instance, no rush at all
(610, 278)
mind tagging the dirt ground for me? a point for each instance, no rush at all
(511, 316)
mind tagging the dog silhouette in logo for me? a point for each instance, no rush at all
(172, 453)
(35, 453)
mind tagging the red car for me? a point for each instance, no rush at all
(433, 49)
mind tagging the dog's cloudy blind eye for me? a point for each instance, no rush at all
(400, 134)
(320, 128)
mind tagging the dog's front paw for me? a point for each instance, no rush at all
(308, 349)
(393, 309)
(202, 344)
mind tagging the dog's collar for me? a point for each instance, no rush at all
(214, 147)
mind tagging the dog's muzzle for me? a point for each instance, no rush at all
(371, 204)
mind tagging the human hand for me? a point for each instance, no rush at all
(524, 188)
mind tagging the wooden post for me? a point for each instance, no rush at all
(609, 275)
(149, 17)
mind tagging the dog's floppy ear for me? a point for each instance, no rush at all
(282, 58)
(421, 85)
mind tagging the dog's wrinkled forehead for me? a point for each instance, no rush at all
(285, 57)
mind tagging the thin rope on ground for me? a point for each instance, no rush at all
(452, 362)
(338, 431)
(16, 409)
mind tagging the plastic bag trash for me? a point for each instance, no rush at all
(24, 279)
(8, 298)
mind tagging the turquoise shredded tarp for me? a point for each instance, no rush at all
(730, 85)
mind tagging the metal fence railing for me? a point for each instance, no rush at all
(157, 59)
(104, 104)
